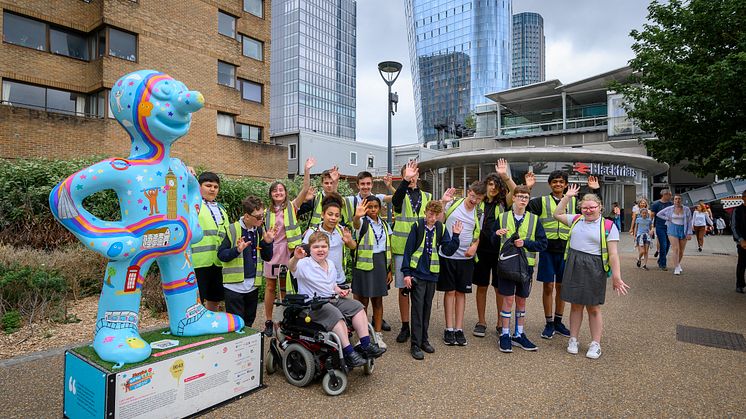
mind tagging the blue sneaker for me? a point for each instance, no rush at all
(505, 344)
(561, 329)
(548, 331)
(522, 341)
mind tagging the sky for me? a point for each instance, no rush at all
(583, 38)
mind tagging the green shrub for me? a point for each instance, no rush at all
(36, 294)
(11, 321)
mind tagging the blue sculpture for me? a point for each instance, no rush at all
(159, 201)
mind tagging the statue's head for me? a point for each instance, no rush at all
(152, 105)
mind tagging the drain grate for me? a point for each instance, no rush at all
(720, 254)
(710, 337)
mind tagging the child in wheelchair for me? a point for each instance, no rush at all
(317, 276)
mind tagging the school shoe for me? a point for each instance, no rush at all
(645, 268)
(594, 351)
(506, 344)
(655, 255)
(460, 338)
(268, 326)
(699, 249)
(385, 326)
(479, 331)
(548, 331)
(449, 337)
(663, 268)
(522, 341)
(372, 351)
(639, 262)
(417, 353)
(354, 359)
(561, 329)
(427, 347)
(379, 340)
(403, 335)
(740, 290)
(572, 346)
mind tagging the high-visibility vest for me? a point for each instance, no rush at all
(478, 212)
(605, 230)
(434, 257)
(404, 221)
(527, 230)
(498, 209)
(364, 252)
(233, 270)
(553, 228)
(205, 251)
(350, 203)
(292, 229)
(317, 210)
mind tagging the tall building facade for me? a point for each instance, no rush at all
(529, 57)
(59, 60)
(460, 52)
(313, 67)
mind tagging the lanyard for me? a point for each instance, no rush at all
(211, 213)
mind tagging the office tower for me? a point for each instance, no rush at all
(529, 63)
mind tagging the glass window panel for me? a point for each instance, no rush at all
(253, 48)
(19, 94)
(122, 45)
(251, 91)
(255, 7)
(226, 74)
(23, 31)
(249, 132)
(226, 24)
(68, 43)
(61, 101)
(226, 125)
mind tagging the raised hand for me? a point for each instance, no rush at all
(310, 162)
(530, 179)
(411, 170)
(310, 194)
(593, 182)
(269, 234)
(448, 195)
(457, 228)
(361, 208)
(501, 167)
(387, 180)
(241, 244)
(572, 190)
(191, 171)
(299, 253)
(334, 173)
(346, 235)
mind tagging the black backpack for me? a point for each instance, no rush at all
(421, 232)
(512, 263)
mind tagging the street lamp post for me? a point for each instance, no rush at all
(389, 71)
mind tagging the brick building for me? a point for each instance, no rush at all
(59, 59)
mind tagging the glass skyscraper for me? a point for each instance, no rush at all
(460, 52)
(313, 67)
(529, 62)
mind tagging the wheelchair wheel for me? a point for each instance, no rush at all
(334, 386)
(298, 364)
(269, 362)
(369, 366)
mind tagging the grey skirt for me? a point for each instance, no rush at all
(584, 280)
(371, 283)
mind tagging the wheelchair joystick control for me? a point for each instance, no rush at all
(307, 319)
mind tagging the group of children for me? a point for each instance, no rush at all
(447, 245)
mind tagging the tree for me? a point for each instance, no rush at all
(689, 84)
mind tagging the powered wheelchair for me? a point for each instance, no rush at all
(305, 350)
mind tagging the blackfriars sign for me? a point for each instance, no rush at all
(598, 169)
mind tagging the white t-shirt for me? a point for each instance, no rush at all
(586, 236)
(336, 245)
(315, 280)
(700, 218)
(467, 234)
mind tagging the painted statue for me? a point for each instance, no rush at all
(159, 201)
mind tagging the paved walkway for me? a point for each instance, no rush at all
(644, 370)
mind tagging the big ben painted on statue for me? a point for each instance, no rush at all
(171, 186)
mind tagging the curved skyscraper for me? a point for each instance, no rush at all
(528, 49)
(460, 51)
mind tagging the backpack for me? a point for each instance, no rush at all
(512, 264)
(421, 232)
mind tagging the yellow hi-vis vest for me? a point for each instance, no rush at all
(205, 251)
(605, 230)
(477, 220)
(316, 214)
(527, 230)
(434, 257)
(292, 229)
(233, 270)
(553, 228)
(364, 252)
(404, 221)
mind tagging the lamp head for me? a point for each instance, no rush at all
(389, 71)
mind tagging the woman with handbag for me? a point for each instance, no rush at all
(591, 258)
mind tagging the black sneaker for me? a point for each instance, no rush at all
(561, 329)
(268, 328)
(460, 338)
(354, 359)
(372, 351)
(506, 345)
(639, 262)
(645, 268)
(548, 331)
(699, 249)
(479, 331)
(655, 255)
(385, 326)
(449, 337)
(403, 335)
(417, 353)
(427, 347)
(523, 342)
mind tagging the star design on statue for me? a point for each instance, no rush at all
(131, 83)
(139, 178)
(186, 101)
(78, 186)
(144, 208)
(139, 201)
(214, 325)
(128, 242)
(129, 192)
(83, 177)
(168, 105)
(100, 171)
(170, 114)
(159, 173)
(137, 148)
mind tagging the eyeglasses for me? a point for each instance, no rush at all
(588, 208)
(522, 197)
(258, 217)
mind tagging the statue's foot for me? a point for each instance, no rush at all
(121, 346)
(200, 321)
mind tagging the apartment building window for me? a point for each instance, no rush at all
(226, 24)
(252, 48)
(53, 100)
(292, 151)
(353, 158)
(226, 125)
(371, 162)
(122, 44)
(249, 132)
(251, 91)
(226, 74)
(68, 43)
(255, 7)
(25, 32)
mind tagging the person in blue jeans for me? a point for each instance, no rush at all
(660, 227)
